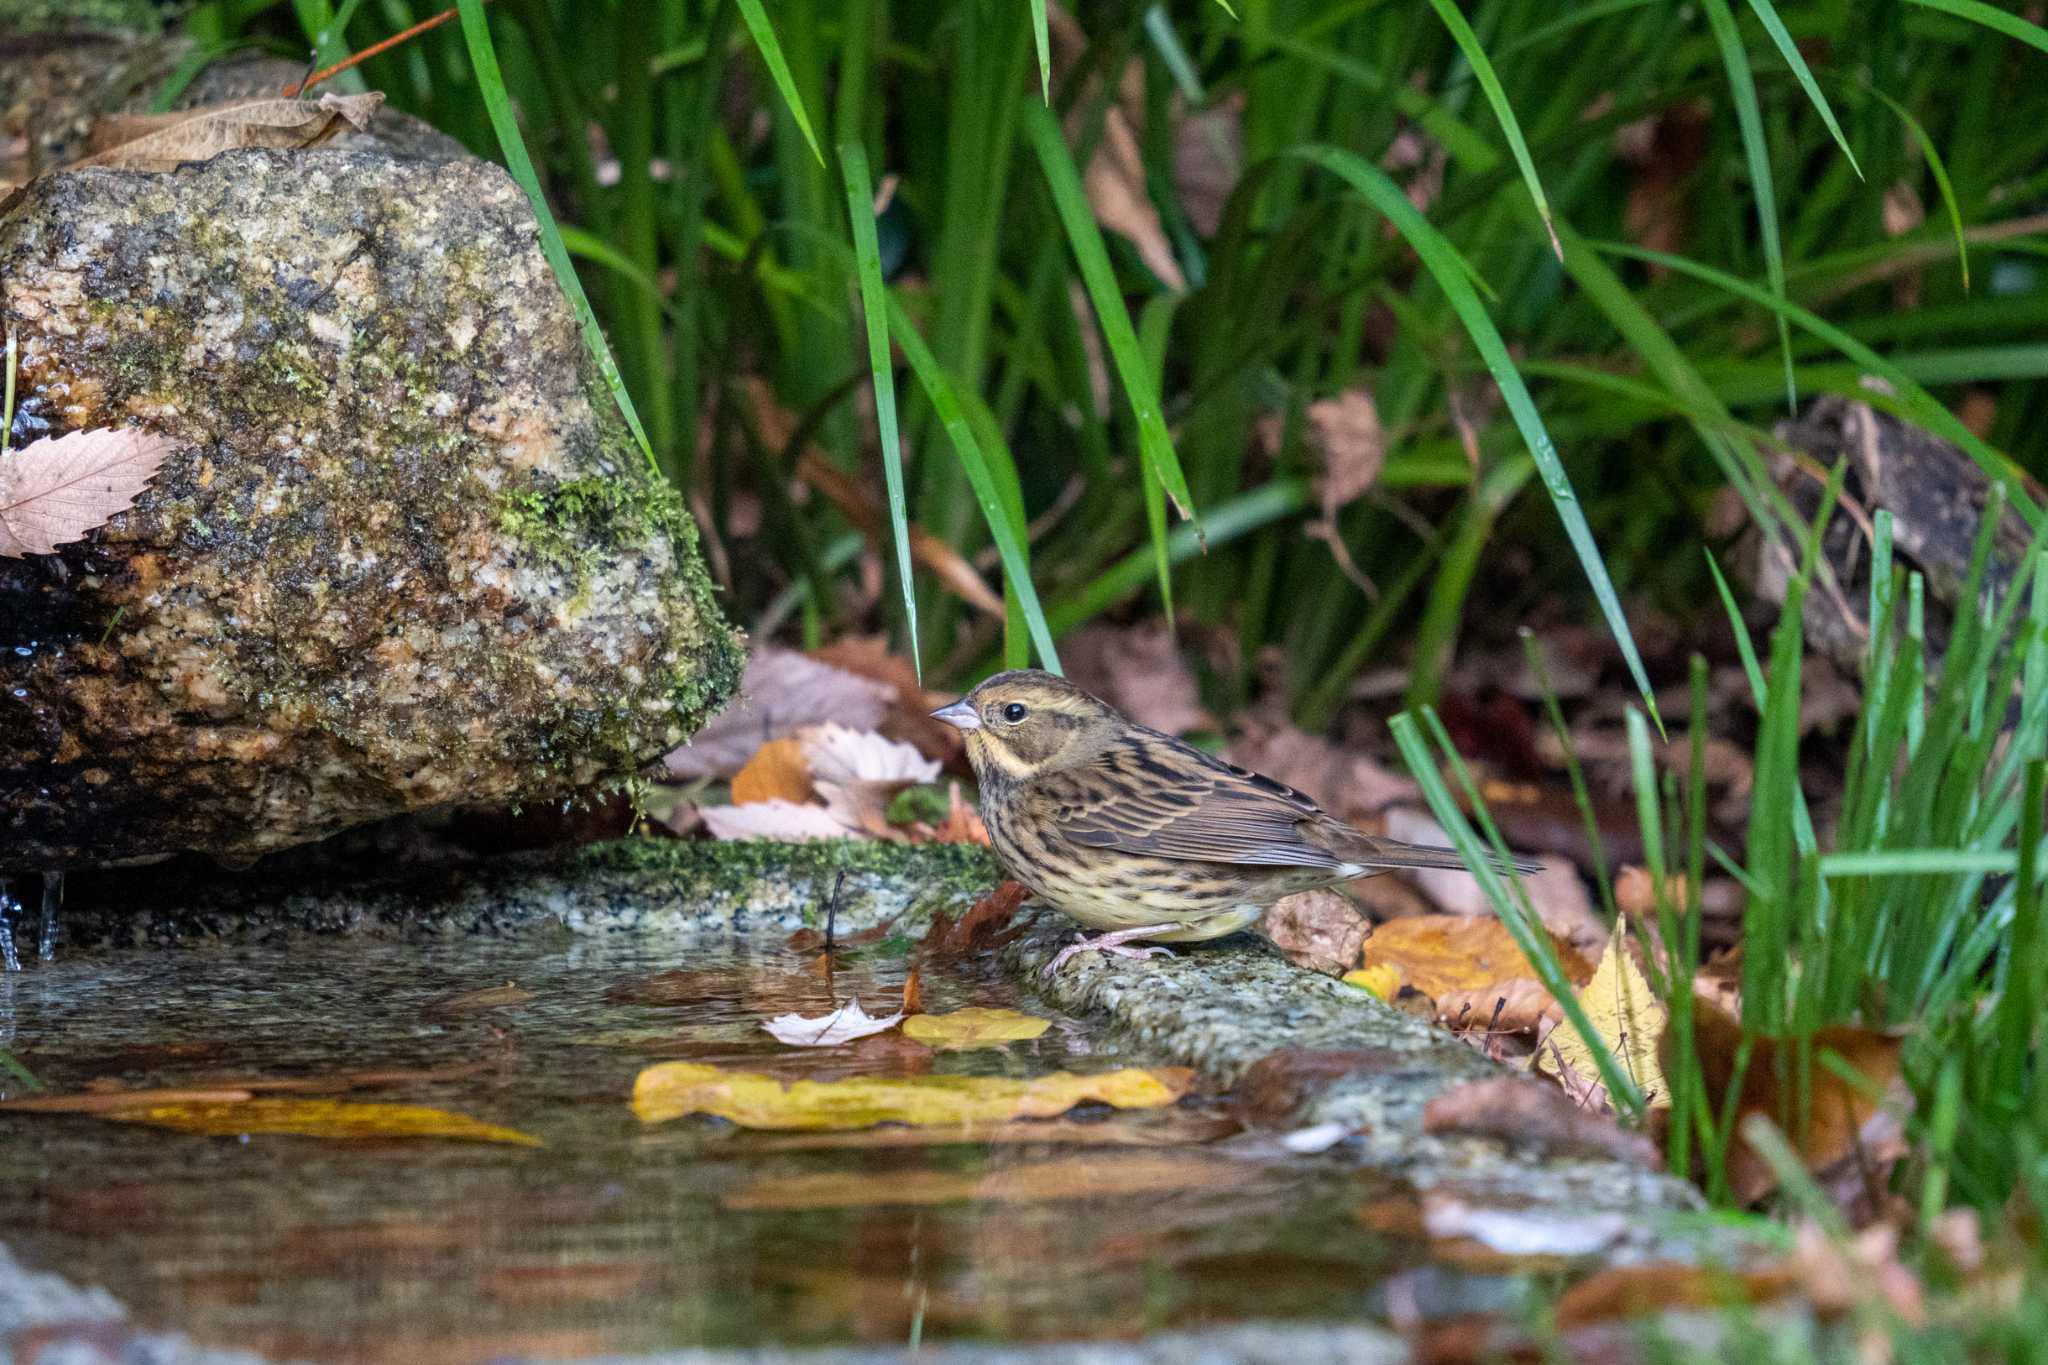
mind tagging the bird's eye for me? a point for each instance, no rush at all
(1014, 712)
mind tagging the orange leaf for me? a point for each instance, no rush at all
(778, 771)
(1439, 954)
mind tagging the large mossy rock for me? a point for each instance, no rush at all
(404, 554)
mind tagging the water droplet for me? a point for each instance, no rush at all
(53, 897)
(10, 960)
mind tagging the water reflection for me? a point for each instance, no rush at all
(618, 1236)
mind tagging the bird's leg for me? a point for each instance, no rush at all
(1116, 942)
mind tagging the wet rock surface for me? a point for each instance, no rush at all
(404, 554)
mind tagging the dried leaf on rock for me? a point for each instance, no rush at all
(778, 771)
(1629, 1018)
(323, 1119)
(782, 692)
(1538, 1115)
(784, 820)
(162, 142)
(1073, 1177)
(752, 1100)
(981, 927)
(1439, 954)
(55, 490)
(1320, 931)
(1139, 670)
(843, 1025)
(974, 1026)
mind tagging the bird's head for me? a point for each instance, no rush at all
(1027, 722)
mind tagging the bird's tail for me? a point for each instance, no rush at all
(1388, 854)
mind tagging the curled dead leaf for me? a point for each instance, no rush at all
(1320, 931)
(162, 142)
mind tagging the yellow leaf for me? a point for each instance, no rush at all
(672, 1089)
(778, 771)
(974, 1027)
(1626, 1014)
(1381, 981)
(323, 1118)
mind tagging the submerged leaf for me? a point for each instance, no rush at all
(1068, 1177)
(752, 1100)
(842, 1025)
(324, 1119)
(974, 1027)
(55, 490)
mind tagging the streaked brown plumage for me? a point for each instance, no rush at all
(1132, 831)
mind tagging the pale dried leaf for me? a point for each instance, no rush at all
(55, 490)
(1345, 432)
(1208, 159)
(1115, 185)
(164, 142)
(843, 1025)
(1626, 1014)
(782, 692)
(839, 753)
(785, 820)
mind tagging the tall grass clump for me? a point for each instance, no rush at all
(1915, 910)
(1579, 261)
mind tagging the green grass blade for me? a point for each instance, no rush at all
(1447, 267)
(1510, 126)
(483, 59)
(1155, 445)
(770, 47)
(1915, 400)
(1155, 326)
(1991, 17)
(1042, 40)
(1008, 533)
(1749, 118)
(874, 306)
(1939, 170)
(1767, 15)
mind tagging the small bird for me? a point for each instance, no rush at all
(1133, 832)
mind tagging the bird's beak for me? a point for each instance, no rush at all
(960, 715)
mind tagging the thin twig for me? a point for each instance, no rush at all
(329, 73)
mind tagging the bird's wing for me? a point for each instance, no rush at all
(1150, 794)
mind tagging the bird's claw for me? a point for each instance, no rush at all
(1117, 943)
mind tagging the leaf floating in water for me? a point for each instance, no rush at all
(751, 1100)
(843, 1025)
(974, 1027)
(323, 1119)
(162, 142)
(55, 490)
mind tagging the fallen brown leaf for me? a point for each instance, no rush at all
(1523, 1111)
(981, 927)
(1521, 1006)
(1659, 1287)
(913, 991)
(782, 692)
(1320, 931)
(55, 490)
(1115, 185)
(1208, 159)
(1845, 1128)
(1440, 954)
(162, 142)
(778, 771)
(1139, 670)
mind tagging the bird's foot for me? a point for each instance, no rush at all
(1117, 943)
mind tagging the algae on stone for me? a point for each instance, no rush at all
(405, 554)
